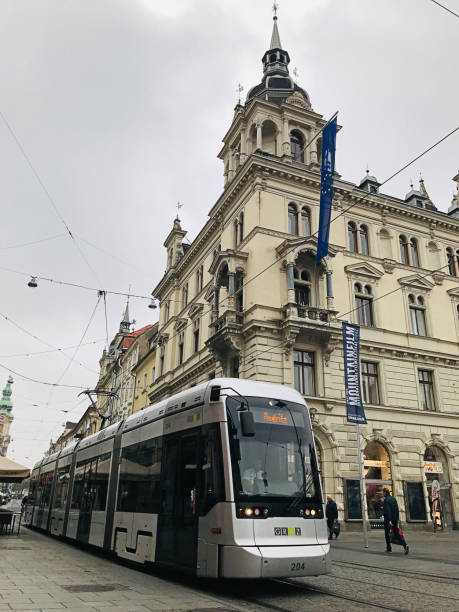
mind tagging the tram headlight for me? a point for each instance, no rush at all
(307, 512)
(248, 511)
(313, 512)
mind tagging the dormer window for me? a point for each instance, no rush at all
(297, 146)
(419, 204)
(372, 189)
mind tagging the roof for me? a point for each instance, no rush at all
(129, 340)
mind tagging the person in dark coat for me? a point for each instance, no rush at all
(391, 519)
(331, 512)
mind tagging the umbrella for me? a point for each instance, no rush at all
(10, 471)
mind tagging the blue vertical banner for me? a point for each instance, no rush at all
(351, 350)
(326, 187)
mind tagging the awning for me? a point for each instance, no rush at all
(10, 471)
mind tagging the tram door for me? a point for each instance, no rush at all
(177, 524)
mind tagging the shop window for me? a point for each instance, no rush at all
(415, 501)
(377, 470)
(304, 372)
(353, 500)
(437, 472)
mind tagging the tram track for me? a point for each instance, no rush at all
(387, 570)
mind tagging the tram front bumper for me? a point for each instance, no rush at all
(274, 561)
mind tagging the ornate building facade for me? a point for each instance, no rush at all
(248, 299)
(6, 417)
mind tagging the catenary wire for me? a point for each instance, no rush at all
(81, 341)
(54, 350)
(51, 346)
(25, 244)
(48, 195)
(445, 7)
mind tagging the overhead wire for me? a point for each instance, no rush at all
(41, 340)
(53, 350)
(25, 244)
(47, 193)
(445, 7)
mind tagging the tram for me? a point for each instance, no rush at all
(220, 480)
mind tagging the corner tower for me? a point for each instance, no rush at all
(276, 119)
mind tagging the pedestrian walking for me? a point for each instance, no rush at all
(391, 520)
(331, 512)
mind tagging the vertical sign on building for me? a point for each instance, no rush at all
(326, 187)
(351, 349)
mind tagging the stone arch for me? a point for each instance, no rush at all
(447, 510)
(269, 131)
(329, 450)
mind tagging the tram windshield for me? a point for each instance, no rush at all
(279, 461)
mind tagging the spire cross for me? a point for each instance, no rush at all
(239, 89)
(275, 9)
(296, 74)
(179, 206)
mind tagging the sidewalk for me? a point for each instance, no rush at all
(40, 573)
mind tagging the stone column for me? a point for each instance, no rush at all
(286, 138)
(259, 136)
(231, 165)
(243, 147)
(313, 153)
(330, 305)
(290, 284)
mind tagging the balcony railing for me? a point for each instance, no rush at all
(313, 313)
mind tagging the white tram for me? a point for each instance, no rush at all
(220, 480)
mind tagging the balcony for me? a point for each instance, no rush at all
(225, 341)
(313, 325)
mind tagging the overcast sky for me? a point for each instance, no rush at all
(120, 107)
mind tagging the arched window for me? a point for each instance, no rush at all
(364, 239)
(238, 286)
(292, 220)
(414, 252)
(241, 227)
(417, 314)
(352, 236)
(378, 474)
(302, 287)
(296, 146)
(272, 58)
(235, 233)
(450, 259)
(404, 249)
(363, 305)
(305, 221)
(199, 277)
(185, 295)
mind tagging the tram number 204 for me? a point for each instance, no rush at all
(295, 566)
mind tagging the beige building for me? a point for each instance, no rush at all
(248, 299)
(144, 370)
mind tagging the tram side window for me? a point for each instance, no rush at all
(140, 472)
(213, 489)
(44, 488)
(32, 491)
(62, 485)
(91, 483)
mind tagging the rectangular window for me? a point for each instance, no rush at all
(370, 383)
(353, 500)
(415, 498)
(364, 311)
(152, 374)
(140, 472)
(180, 349)
(62, 485)
(418, 321)
(303, 363)
(425, 378)
(196, 325)
(161, 365)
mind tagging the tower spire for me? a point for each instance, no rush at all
(275, 38)
(125, 323)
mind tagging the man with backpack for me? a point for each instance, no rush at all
(391, 518)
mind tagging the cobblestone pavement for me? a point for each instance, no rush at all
(40, 573)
